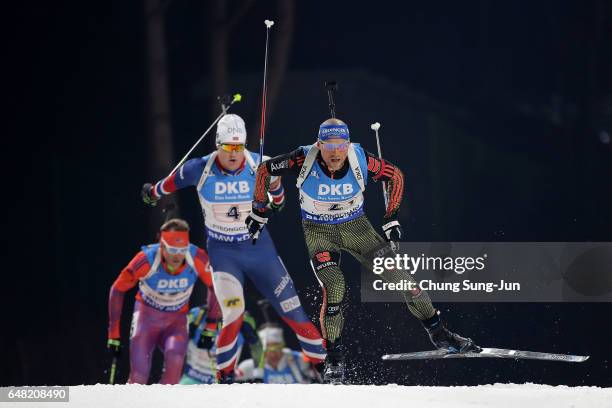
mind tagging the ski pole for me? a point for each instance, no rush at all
(375, 126)
(114, 346)
(263, 306)
(236, 98)
(262, 128)
(332, 87)
(113, 371)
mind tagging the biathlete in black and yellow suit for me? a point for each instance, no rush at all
(331, 177)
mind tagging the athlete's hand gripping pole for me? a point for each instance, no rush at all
(255, 222)
(147, 195)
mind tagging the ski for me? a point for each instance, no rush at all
(486, 353)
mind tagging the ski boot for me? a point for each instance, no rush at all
(444, 339)
(334, 364)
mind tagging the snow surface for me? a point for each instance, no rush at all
(350, 396)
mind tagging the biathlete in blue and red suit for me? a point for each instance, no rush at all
(224, 181)
(165, 274)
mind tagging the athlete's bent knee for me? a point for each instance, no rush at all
(230, 296)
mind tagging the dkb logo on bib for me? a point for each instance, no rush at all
(335, 189)
(232, 187)
(172, 284)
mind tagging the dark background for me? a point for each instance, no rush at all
(499, 114)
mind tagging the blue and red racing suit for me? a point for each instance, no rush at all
(226, 197)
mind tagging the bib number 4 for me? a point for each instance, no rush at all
(233, 213)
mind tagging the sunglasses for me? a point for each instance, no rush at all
(175, 250)
(334, 146)
(232, 147)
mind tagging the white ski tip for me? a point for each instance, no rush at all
(375, 126)
(268, 23)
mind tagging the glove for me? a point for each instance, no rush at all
(255, 222)
(194, 321)
(147, 197)
(114, 347)
(392, 230)
(207, 340)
